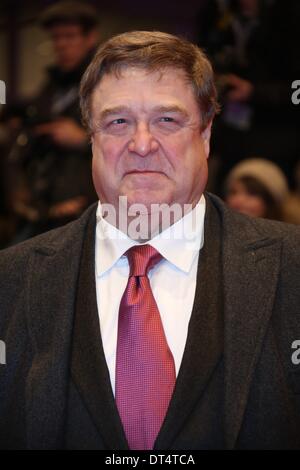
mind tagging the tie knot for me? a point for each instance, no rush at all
(141, 259)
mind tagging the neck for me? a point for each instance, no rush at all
(141, 225)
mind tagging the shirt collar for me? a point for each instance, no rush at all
(179, 243)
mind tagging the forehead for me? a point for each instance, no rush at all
(65, 29)
(137, 86)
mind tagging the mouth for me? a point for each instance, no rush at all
(142, 172)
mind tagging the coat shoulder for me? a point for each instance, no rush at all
(14, 260)
(245, 228)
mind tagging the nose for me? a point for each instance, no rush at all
(142, 142)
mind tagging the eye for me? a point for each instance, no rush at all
(117, 126)
(167, 124)
(118, 121)
(166, 119)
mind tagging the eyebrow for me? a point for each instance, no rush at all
(111, 111)
(157, 109)
(171, 109)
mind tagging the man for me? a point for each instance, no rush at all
(125, 335)
(55, 162)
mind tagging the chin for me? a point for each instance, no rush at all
(147, 198)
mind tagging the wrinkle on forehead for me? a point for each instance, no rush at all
(123, 97)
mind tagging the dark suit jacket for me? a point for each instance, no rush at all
(241, 359)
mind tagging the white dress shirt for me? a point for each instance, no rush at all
(173, 280)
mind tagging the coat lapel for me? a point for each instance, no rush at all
(204, 345)
(52, 279)
(88, 365)
(244, 290)
(251, 269)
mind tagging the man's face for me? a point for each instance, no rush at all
(71, 44)
(147, 141)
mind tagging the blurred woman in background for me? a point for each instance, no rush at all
(258, 188)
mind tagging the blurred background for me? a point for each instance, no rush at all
(45, 156)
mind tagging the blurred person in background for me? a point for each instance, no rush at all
(258, 188)
(51, 150)
(254, 49)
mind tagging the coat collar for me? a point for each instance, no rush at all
(204, 346)
(89, 370)
(52, 279)
(251, 264)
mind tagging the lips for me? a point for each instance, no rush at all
(132, 172)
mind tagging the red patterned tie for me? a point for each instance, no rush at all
(145, 370)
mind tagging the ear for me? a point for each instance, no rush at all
(92, 140)
(206, 133)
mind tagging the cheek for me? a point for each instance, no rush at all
(103, 164)
(105, 153)
(191, 159)
(184, 152)
(258, 207)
